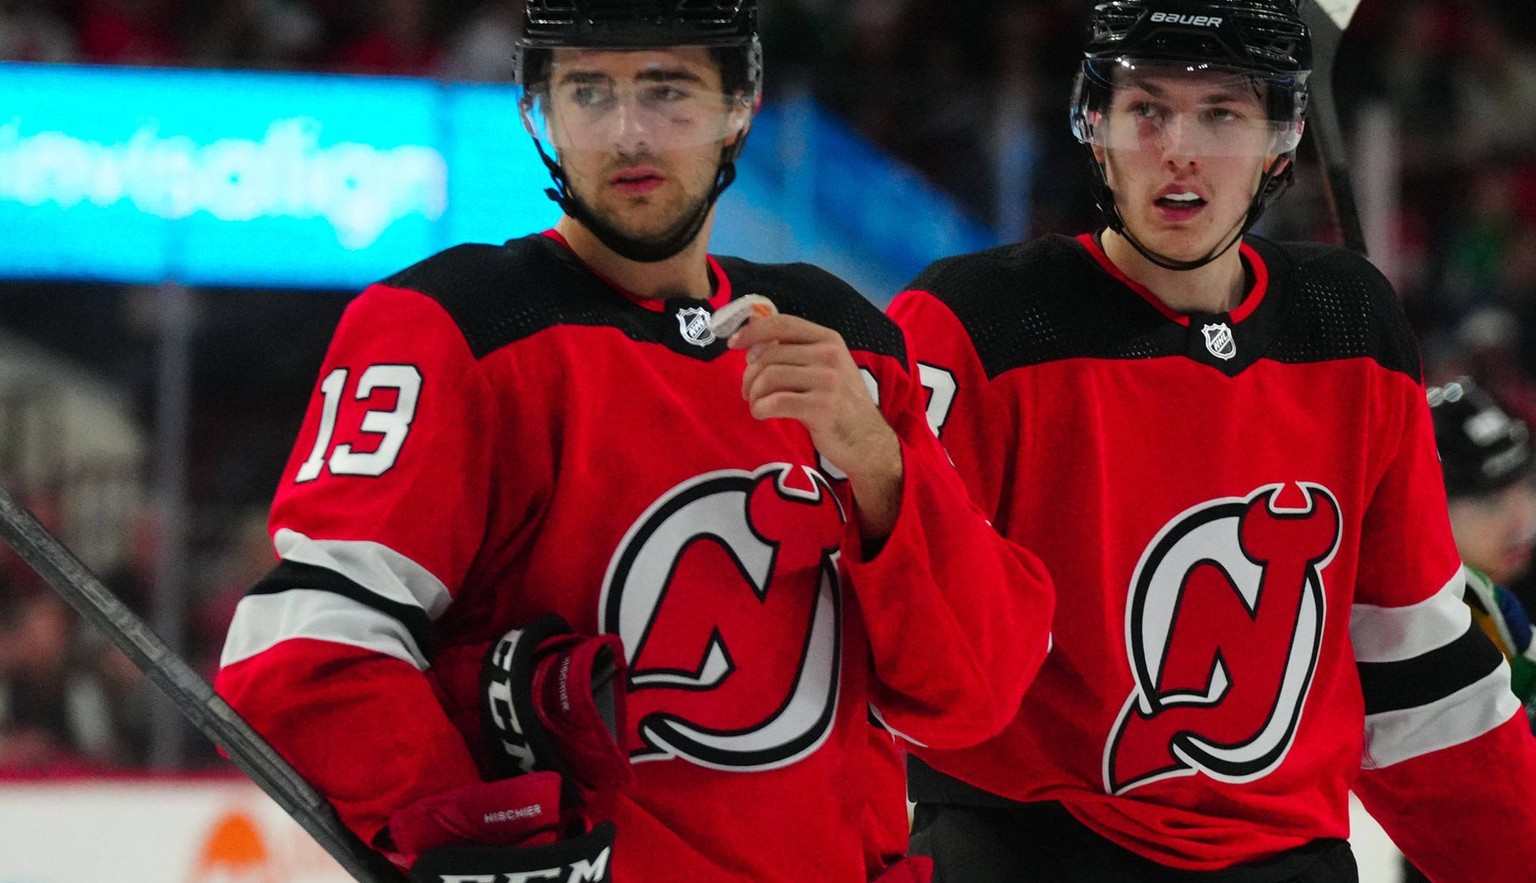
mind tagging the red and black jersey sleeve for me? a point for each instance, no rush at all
(377, 518)
(978, 427)
(1449, 757)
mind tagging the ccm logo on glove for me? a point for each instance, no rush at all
(583, 873)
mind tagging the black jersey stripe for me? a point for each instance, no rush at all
(1430, 677)
(289, 575)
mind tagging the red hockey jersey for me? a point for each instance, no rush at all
(1244, 517)
(497, 434)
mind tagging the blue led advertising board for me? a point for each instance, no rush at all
(244, 178)
(256, 179)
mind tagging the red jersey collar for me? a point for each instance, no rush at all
(1245, 309)
(720, 298)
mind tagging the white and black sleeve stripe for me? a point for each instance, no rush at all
(358, 593)
(1430, 678)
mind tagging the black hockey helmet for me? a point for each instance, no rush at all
(639, 23)
(643, 24)
(1482, 448)
(1262, 36)
(728, 28)
(1264, 41)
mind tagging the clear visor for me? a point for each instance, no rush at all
(649, 101)
(1164, 107)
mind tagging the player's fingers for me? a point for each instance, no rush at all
(769, 379)
(781, 328)
(825, 353)
(805, 407)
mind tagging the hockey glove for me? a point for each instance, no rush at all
(509, 829)
(554, 701)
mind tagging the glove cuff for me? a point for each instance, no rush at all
(524, 811)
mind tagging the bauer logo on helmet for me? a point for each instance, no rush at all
(1199, 21)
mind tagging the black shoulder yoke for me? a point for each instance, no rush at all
(499, 294)
(1043, 301)
(1344, 308)
(1049, 299)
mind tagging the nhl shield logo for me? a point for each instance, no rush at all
(693, 322)
(1219, 340)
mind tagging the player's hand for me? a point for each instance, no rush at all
(799, 370)
(509, 829)
(554, 700)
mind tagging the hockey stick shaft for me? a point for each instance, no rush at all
(212, 716)
(1327, 19)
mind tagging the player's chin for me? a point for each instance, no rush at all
(1180, 244)
(649, 233)
(1190, 241)
(655, 220)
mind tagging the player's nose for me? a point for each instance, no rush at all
(630, 128)
(1180, 141)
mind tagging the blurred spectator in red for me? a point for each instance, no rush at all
(68, 700)
(396, 38)
(35, 733)
(136, 32)
(31, 30)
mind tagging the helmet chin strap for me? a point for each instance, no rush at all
(1104, 195)
(644, 251)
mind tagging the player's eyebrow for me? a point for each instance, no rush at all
(649, 75)
(669, 75)
(1145, 84)
(1229, 95)
(584, 78)
(1226, 93)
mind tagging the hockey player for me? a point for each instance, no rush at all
(1220, 448)
(1485, 455)
(572, 586)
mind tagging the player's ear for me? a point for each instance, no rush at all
(738, 121)
(738, 133)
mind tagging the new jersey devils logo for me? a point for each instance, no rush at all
(726, 595)
(1222, 627)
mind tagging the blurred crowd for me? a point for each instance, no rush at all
(972, 93)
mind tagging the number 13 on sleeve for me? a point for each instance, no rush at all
(390, 425)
